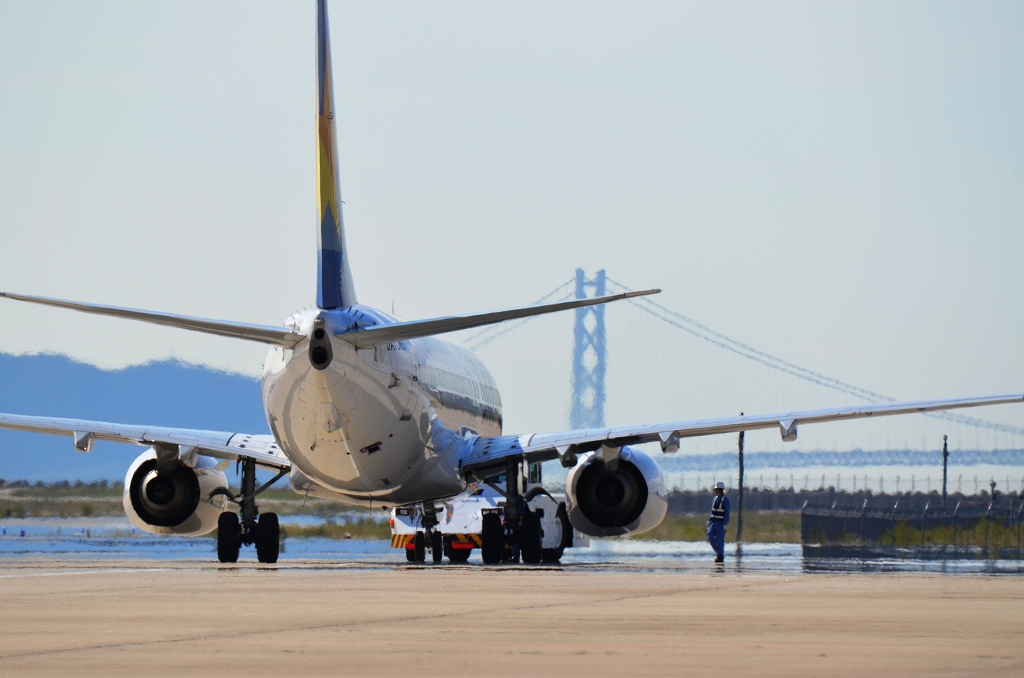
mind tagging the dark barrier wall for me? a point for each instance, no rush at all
(690, 501)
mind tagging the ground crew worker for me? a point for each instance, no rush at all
(717, 522)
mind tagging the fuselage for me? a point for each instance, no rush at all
(385, 424)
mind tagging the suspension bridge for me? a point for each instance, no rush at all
(639, 361)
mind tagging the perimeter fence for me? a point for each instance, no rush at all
(916, 526)
(901, 525)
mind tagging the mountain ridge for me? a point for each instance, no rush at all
(164, 392)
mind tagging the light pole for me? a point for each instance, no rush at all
(739, 498)
(945, 458)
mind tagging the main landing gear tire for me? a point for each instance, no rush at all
(229, 538)
(493, 538)
(530, 538)
(436, 550)
(268, 533)
(419, 548)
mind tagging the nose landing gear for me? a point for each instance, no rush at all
(430, 538)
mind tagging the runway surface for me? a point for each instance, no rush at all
(90, 616)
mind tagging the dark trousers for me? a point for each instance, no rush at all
(716, 537)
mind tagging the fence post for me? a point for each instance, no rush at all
(803, 537)
(988, 513)
(1018, 524)
(945, 458)
(863, 510)
(892, 519)
(955, 510)
(924, 520)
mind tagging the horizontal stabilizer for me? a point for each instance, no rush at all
(383, 334)
(266, 334)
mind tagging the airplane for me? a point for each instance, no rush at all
(366, 408)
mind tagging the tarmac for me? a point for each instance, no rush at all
(87, 617)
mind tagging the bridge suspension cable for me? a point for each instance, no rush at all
(695, 328)
(671, 318)
(481, 338)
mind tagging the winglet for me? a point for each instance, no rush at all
(334, 286)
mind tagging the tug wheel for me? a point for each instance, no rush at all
(419, 548)
(459, 555)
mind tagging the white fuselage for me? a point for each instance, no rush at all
(383, 424)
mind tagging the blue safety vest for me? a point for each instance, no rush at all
(718, 509)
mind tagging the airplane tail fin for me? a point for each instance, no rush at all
(334, 286)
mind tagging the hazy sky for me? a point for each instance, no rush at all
(841, 185)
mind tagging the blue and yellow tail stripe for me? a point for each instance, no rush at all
(334, 280)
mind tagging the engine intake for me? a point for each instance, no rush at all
(167, 498)
(180, 500)
(611, 500)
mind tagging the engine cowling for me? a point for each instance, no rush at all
(174, 502)
(609, 502)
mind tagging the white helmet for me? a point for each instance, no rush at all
(719, 485)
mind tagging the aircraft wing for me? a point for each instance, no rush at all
(262, 449)
(489, 454)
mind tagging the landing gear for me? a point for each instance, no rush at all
(420, 543)
(264, 532)
(267, 538)
(430, 537)
(229, 538)
(493, 538)
(512, 510)
(515, 520)
(436, 550)
(530, 538)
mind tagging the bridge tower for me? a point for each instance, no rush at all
(589, 355)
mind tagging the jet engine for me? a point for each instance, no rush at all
(611, 494)
(175, 501)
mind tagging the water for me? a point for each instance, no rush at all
(116, 539)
